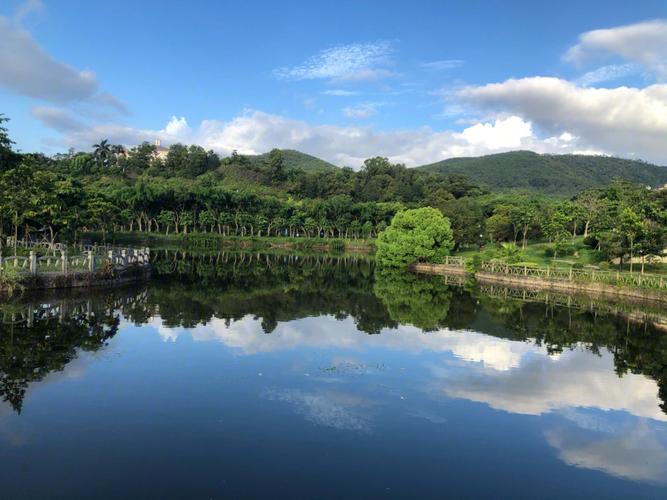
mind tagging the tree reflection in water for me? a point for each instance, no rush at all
(42, 334)
(192, 289)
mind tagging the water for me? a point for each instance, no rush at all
(233, 375)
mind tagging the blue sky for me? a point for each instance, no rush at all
(416, 82)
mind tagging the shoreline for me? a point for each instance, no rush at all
(604, 290)
(81, 279)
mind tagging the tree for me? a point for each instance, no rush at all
(102, 152)
(417, 235)
(7, 156)
(422, 301)
(467, 219)
(276, 166)
(499, 225)
(652, 242)
(630, 226)
(590, 205)
(555, 229)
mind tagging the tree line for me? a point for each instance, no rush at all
(189, 189)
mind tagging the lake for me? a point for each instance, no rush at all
(232, 375)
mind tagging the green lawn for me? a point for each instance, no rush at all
(535, 254)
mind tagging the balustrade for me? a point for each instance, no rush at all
(89, 261)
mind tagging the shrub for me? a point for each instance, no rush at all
(473, 265)
(509, 253)
(11, 280)
(591, 241)
(417, 235)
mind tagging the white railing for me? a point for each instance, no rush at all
(89, 261)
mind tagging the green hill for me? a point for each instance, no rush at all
(552, 174)
(296, 159)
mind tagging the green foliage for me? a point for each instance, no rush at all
(7, 156)
(422, 301)
(294, 160)
(288, 194)
(10, 280)
(509, 253)
(417, 235)
(553, 174)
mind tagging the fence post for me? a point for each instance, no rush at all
(63, 254)
(91, 261)
(570, 274)
(33, 262)
(123, 254)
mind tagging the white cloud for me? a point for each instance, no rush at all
(442, 65)
(340, 92)
(247, 337)
(325, 408)
(637, 454)
(177, 127)
(624, 121)
(519, 377)
(255, 132)
(57, 118)
(27, 70)
(644, 43)
(357, 61)
(360, 111)
(106, 99)
(507, 133)
(26, 9)
(606, 73)
(576, 379)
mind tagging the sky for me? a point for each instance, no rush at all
(416, 82)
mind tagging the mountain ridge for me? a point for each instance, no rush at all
(548, 173)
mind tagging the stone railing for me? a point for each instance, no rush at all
(11, 243)
(90, 261)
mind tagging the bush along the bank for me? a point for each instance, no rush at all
(417, 235)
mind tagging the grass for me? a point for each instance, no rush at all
(536, 254)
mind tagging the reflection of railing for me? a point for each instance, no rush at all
(91, 260)
(578, 275)
(60, 309)
(453, 279)
(582, 303)
(454, 261)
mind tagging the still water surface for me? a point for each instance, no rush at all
(238, 375)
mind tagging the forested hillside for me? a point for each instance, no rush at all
(111, 188)
(295, 159)
(552, 174)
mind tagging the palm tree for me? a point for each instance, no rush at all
(102, 151)
(119, 151)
